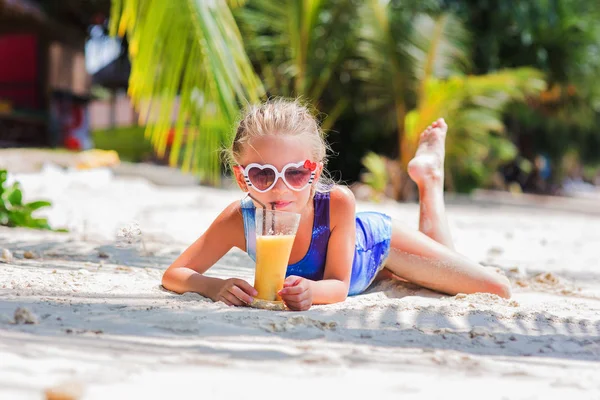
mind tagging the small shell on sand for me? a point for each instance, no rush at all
(65, 391)
(547, 278)
(29, 255)
(6, 255)
(24, 316)
(517, 272)
(495, 251)
(478, 331)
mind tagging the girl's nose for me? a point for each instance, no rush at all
(280, 186)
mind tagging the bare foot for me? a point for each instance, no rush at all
(428, 164)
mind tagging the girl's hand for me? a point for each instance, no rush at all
(297, 293)
(234, 292)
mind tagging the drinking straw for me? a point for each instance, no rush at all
(273, 219)
(264, 217)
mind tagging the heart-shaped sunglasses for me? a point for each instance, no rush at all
(296, 176)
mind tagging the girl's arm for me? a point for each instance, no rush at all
(300, 293)
(340, 249)
(186, 272)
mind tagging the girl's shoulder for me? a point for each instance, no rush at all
(230, 224)
(342, 204)
(233, 211)
(341, 194)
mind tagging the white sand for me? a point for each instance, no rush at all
(106, 326)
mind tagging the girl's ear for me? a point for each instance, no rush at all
(318, 172)
(239, 177)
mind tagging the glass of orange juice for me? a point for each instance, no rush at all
(275, 234)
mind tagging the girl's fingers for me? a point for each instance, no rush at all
(294, 293)
(291, 280)
(240, 294)
(225, 301)
(245, 287)
(292, 290)
(232, 299)
(292, 305)
(298, 305)
(296, 298)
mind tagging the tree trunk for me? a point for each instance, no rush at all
(113, 109)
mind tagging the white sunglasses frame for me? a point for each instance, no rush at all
(278, 175)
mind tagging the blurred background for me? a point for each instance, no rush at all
(162, 82)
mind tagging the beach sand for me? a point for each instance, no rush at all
(83, 312)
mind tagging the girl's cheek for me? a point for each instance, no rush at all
(305, 199)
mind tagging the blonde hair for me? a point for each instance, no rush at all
(281, 117)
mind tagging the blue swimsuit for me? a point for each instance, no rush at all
(373, 235)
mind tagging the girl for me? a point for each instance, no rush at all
(278, 156)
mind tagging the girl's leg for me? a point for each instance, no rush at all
(417, 258)
(427, 170)
(427, 257)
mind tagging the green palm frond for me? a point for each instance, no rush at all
(386, 52)
(440, 48)
(473, 107)
(236, 3)
(401, 50)
(298, 46)
(376, 175)
(412, 60)
(386, 61)
(189, 65)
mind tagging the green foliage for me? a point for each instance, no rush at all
(13, 212)
(561, 38)
(376, 176)
(421, 67)
(299, 47)
(473, 107)
(374, 68)
(128, 142)
(190, 50)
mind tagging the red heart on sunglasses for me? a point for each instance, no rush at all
(311, 166)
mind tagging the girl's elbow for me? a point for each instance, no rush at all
(342, 297)
(168, 280)
(345, 292)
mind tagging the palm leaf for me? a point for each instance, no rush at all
(472, 107)
(377, 176)
(440, 48)
(188, 65)
(386, 63)
(440, 51)
(299, 45)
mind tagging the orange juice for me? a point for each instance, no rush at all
(272, 257)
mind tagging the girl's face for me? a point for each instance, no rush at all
(278, 151)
